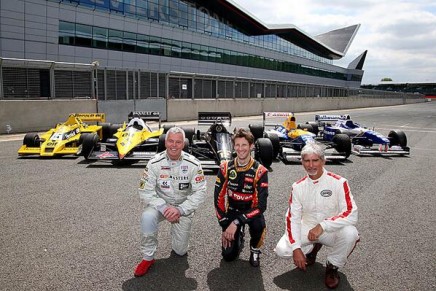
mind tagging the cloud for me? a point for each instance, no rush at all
(400, 35)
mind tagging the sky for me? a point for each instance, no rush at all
(400, 35)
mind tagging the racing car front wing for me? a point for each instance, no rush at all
(291, 155)
(381, 150)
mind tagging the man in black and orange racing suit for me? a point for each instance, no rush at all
(241, 192)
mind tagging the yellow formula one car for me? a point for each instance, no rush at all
(132, 142)
(66, 137)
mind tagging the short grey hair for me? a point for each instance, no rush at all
(313, 148)
(175, 129)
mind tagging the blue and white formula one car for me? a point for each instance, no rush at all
(364, 141)
(288, 138)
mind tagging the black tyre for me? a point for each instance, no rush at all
(264, 152)
(166, 127)
(275, 141)
(256, 130)
(114, 128)
(106, 130)
(161, 145)
(314, 125)
(31, 140)
(189, 133)
(342, 143)
(89, 143)
(307, 127)
(82, 137)
(186, 146)
(397, 137)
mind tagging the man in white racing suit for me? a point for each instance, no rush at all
(172, 188)
(321, 211)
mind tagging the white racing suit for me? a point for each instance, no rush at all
(329, 202)
(170, 183)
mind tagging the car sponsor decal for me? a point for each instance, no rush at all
(52, 144)
(232, 175)
(326, 193)
(183, 186)
(105, 155)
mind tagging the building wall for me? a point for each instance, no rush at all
(29, 30)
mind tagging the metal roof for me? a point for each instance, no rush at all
(330, 45)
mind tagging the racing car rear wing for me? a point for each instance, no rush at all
(267, 115)
(330, 117)
(97, 117)
(146, 116)
(209, 118)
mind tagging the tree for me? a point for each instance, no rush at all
(386, 80)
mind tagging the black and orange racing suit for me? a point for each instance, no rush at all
(241, 194)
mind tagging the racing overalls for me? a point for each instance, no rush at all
(326, 201)
(166, 183)
(241, 194)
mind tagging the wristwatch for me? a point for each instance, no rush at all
(236, 222)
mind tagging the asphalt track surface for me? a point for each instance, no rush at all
(69, 225)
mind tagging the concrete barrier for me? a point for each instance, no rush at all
(178, 110)
(17, 116)
(37, 115)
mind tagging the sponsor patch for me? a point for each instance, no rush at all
(326, 193)
(183, 186)
(264, 185)
(165, 168)
(184, 169)
(232, 174)
(200, 172)
(199, 179)
(141, 185)
(163, 176)
(145, 174)
(249, 180)
(218, 180)
(165, 184)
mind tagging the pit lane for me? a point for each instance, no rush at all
(70, 225)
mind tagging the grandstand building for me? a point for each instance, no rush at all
(136, 49)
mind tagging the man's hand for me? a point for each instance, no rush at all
(315, 232)
(299, 259)
(229, 235)
(172, 214)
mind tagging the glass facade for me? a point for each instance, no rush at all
(192, 15)
(103, 38)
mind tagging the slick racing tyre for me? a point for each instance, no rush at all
(161, 145)
(342, 144)
(275, 141)
(397, 137)
(264, 152)
(256, 130)
(31, 140)
(166, 127)
(89, 143)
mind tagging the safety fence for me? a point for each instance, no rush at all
(35, 79)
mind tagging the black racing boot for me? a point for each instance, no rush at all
(254, 257)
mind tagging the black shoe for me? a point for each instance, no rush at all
(254, 257)
(311, 257)
(174, 254)
(331, 276)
